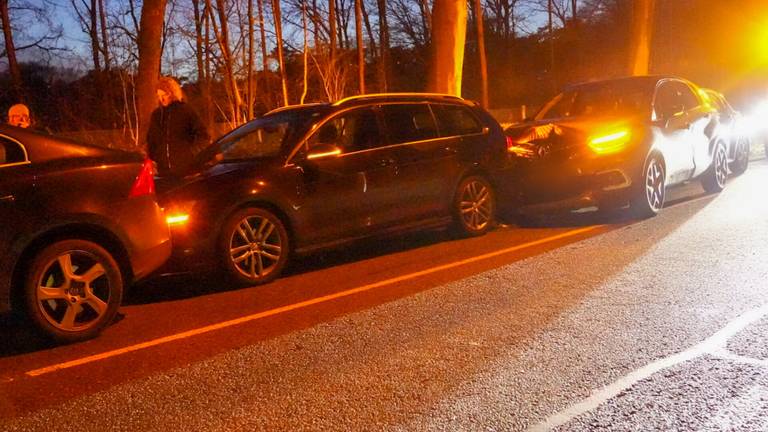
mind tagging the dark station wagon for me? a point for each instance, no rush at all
(314, 176)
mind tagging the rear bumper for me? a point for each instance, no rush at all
(146, 234)
(606, 182)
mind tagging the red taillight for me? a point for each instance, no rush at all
(145, 181)
(510, 143)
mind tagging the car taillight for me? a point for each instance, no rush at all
(145, 181)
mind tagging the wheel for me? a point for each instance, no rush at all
(254, 246)
(474, 206)
(649, 196)
(713, 180)
(73, 290)
(740, 158)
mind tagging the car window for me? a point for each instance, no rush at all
(668, 101)
(263, 141)
(455, 120)
(11, 152)
(689, 98)
(409, 122)
(351, 131)
(598, 100)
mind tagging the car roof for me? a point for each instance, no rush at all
(641, 81)
(375, 98)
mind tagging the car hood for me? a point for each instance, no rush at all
(544, 136)
(206, 177)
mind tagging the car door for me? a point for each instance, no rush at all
(674, 133)
(16, 187)
(344, 176)
(424, 159)
(701, 120)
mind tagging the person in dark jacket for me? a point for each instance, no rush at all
(176, 133)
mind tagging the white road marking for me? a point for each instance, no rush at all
(712, 345)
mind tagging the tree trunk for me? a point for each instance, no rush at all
(384, 44)
(200, 57)
(251, 53)
(10, 50)
(264, 58)
(481, 52)
(104, 38)
(449, 29)
(226, 53)
(306, 50)
(94, 35)
(332, 29)
(368, 28)
(360, 48)
(150, 32)
(280, 60)
(642, 32)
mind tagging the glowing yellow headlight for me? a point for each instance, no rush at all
(610, 143)
(177, 219)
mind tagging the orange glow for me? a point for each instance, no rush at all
(334, 152)
(177, 219)
(610, 143)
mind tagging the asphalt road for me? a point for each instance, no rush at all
(585, 322)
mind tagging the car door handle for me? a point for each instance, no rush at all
(7, 198)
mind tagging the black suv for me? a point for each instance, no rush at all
(313, 176)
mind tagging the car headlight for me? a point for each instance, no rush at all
(613, 142)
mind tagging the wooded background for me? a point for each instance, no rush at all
(240, 58)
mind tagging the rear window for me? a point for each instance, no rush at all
(455, 120)
(409, 122)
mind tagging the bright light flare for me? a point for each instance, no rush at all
(756, 119)
(610, 143)
(177, 219)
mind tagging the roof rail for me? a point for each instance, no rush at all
(380, 95)
(287, 107)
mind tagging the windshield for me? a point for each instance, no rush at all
(606, 99)
(265, 137)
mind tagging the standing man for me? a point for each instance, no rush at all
(176, 133)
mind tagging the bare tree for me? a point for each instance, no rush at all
(10, 50)
(150, 32)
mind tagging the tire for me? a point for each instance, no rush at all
(474, 207)
(741, 157)
(714, 178)
(73, 290)
(648, 199)
(254, 246)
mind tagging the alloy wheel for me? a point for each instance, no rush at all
(255, 247)
(73, 291)
(654, 185)
(476, 205)
(721, 166)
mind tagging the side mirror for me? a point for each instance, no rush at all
(323, 151)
